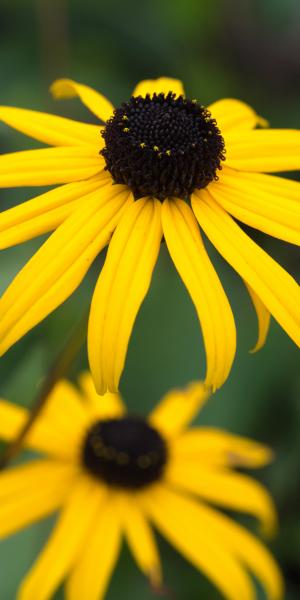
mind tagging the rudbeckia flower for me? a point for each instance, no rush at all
(158, 166)
(111, 475)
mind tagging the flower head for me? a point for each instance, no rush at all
(159, 165)
(111, 474)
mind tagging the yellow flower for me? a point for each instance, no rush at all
(158, 150)
(112, 475)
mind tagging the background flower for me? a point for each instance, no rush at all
(112, 475)
(247, 50)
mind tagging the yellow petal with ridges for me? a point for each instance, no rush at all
(46, 212)
(246, 200)
(66, 541)
(209, 446)
(140, 539)
(178, 408)
(51, 129)
(181, 521)
(31, 492)
(262, 150)
(91, 571)
(59, 266)
(263, 319)
(120, 290)
(94, 101)
(278, 291)
(49, 166)
(232, 114)
(162, 85)
(108, 406)
(225, 488)
(188, 253)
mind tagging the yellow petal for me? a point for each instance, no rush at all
(181, 521)
(272, 284)
(31, 492)
(66, 541)
(49, 166)
(95, 102)
(272, 184)
(50, 129)
(247, 201)
(248, 549)
(263, 319)
(45, 212)
(178, 408)
(108, 406)
(268, 150)
(141, 539)
(162, 85)
(232, 114)
(59, 266)
(92, 570)
(45, 435)
(120, 290)
(219, 448)
(192, 262)
(228, 489)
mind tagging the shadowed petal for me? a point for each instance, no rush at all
(95, 102)
(232, 114)
(120, 290)
(278, 291)
(162, 85)
(59, 266)
(188, 253)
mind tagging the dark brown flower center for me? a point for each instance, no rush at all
(125, 452)
(163, 146)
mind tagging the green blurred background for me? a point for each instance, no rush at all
(249, 50)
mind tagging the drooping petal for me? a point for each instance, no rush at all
(277, 290)
(120, 290)
(181, 521)
(232, 114)
(51, 129)
(246, 200)
(49, 166)
(262, 150)
(59, 266)
(95, 102)
(193, 264)
(31, 492)
(226, 488)
(108, 406)
(178, 408)
(59, 554)
(162, 85)
(263, 319)
(220, 449)
(92, 570)
(141, 539)
(248, 549)
(45, 212)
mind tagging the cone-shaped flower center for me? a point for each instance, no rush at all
(162, 146)
(124, 452)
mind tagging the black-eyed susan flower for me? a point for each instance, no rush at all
(111, 475)
(159, 165)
